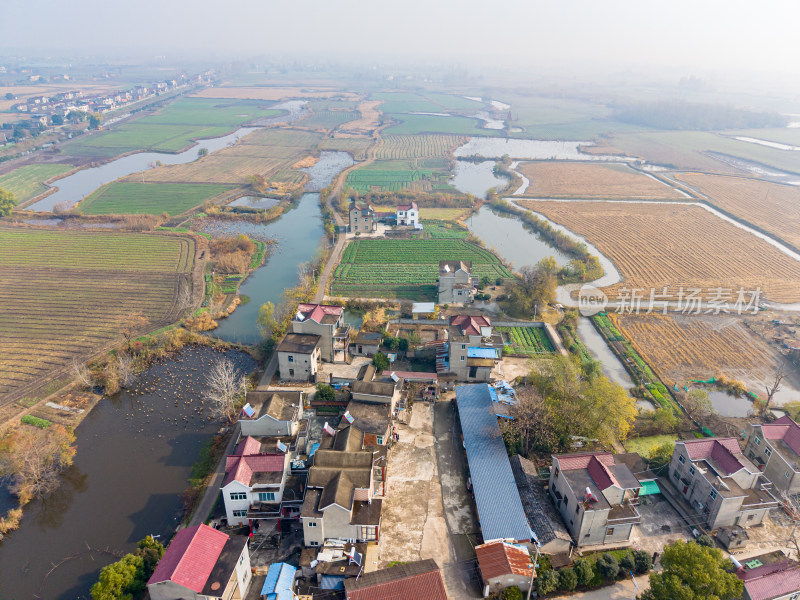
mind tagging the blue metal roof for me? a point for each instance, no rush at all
(280, 579)
(473, 352)
(497, 498)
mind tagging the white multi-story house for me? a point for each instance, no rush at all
(716, 484)
(408, 215)
(775, 450)
(327, 322)
(272, 413)
(298, 356)
(473, 349)
(255, 480)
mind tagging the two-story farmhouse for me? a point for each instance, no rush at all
(771, 576)
(298, 354)
(339, 499)
(202, 563)
(328, 323)
(474, 350)
(273, 413)
(254, 482)
(408, 215)
(775, 450)
(715, 482)
(455, 282)
(596, 496)
(362, 218)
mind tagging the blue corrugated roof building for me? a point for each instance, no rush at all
(497, 500)
(279, 582)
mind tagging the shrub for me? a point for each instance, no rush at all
(584, 570)
(642, 561)
(547, 582)
(705, 540)
(627, 563)
(325, 393)
(512, 593)
(36, 421)
(567, 580)
(381, 362)
(608, 566)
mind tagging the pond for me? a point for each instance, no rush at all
(74, 188)
(255, 202)
(728, 405)
(529, 150)
(325, 170)
(476, 178)
(135, 452)
(512, 239)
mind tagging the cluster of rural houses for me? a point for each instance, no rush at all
(364, 219)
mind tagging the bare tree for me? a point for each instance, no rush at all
(81, 372)
(35, 458)
(185, 296)
(775, 387)
(225, 388)
(125, 368)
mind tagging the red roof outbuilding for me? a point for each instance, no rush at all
(190, 557)
(499, 558)
(419, 580)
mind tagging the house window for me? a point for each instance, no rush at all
(239, 513)
(681, 459)
(691, 470)
(786, 475)
(379, 439)
(238, 496)
(369, 532)
(291, 358)
(676, 475)
(577, 508)
(750, 517)
(757, 441)
(713, 494)
(610, 531)
(313, 543)
(291, 372)
(463, 346)
(266, 496)
(556, 475)
(463, 358)
(312, 523)
(768, 452)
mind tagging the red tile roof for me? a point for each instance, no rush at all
(774, 584)
(569, 462)
(419, 580)
(412, 206)
(470, 325)
(190, 557)
(601, 475)
(316, 312)
(723, 451)
(248, 460)
(784, 429)
(499, 558)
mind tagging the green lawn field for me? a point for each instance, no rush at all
(424, 175)
(149, 198)
(414, 124)
(381, 268)
(28, 181)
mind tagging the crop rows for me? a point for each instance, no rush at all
(527, 341)
(396, 268)
(65, 296)
(328, 119)
(418, 146)
(676, 246)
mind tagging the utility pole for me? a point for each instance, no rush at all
(533, 570)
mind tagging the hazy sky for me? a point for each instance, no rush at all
(689, 34)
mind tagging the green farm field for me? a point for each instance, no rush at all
(526, 341)
(171, 129)
(456, 125)
(425, 175)
(28, 181)
(406, 268)
(66, 294)
(125, 197)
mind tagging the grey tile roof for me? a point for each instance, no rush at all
(545, 523)
(500, 510)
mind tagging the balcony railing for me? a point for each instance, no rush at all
(624, 513)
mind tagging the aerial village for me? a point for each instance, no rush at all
(355, 474)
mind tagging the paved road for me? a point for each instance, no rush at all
(209, 498)
(330, 264)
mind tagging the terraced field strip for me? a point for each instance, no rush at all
(771, 207)
(128, 197)
(328, 119)
(527, 341)
(677, 246)
(67, 294)
(406, 268)
(591, 180)
(356, 146)
(683, 347)
(28, 181)
(419, 146)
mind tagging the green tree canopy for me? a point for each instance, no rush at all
(7, 202)
(381, 361)
(693, 572)
(325, 393)
(117, 578)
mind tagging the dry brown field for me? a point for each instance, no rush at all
(272, 93)
(366, 124)
(264, 152)
(682, 347)
(591, 180)
(657, 245)
(771, 207)
(402, 147)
